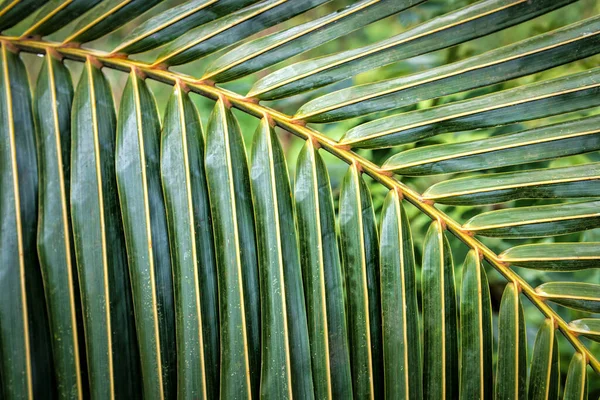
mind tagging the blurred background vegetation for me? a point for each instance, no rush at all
(383, 29)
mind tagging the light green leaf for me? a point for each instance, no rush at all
(234, 234)
(231, 28)
(174, 22)
(440, 319)
(544, 373)
(554, 256)
(550, 183)
(511, 372)
(588, 327)
(25, 357)
(526, 57)
(576, 387)
(399, 309)
(52, 112)
(323, 280)
(536, 221)
(359, 248)
(576, 295)
(543, 143)
(285, 347)
(192, 249)
(111, 344)
(476, 374)
(476, 20)
(537, 100)
(269, 50)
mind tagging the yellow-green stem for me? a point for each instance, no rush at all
(286, 122)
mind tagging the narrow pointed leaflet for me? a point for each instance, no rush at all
(578, 181)
(476, 20)
(511, 371)
(399, 316)
(270, 50)
(285, 351)
(529, 56)
(476, 376)
(544, 374)
(231, 28)
(576, 386)
(111, 345)
(359, 248)
(542, 143)
(588, 327)
(56, 14)
(106, 17)
(524, 103)
(192, 249)
(323, 280)
(576, 295)
(234, 234)
(175, 21)
(26, 360)
(145, 227)
(440, 325)
(536, 221)
(52, 111)
(14, 11)
(554, 256)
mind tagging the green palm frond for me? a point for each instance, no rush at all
(143, 254)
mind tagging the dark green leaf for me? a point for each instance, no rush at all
(12, 12)
(106, 17)
(145, 226)
(56, 14)
(476, 331)
(266, 51)
(550, 183)
(52, 110)
(476, 20)
(543, 143)
(227, 30)
(399, 309)
(111, 345)
(511, 373)
(358, 239)
(544, 374)
(536, 221)
(576, 387)
(192, 249)
(234, 234)
(588, 327)
(440, 320)
(285, 347)
(529, 56)
(554, 256)
(174, 22)
(538, 100)
(25, 357)
(323, 282)
(576, 295)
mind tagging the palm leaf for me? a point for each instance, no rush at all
(192, 249)
(233, 219)
(111, 345)
(142, 258)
